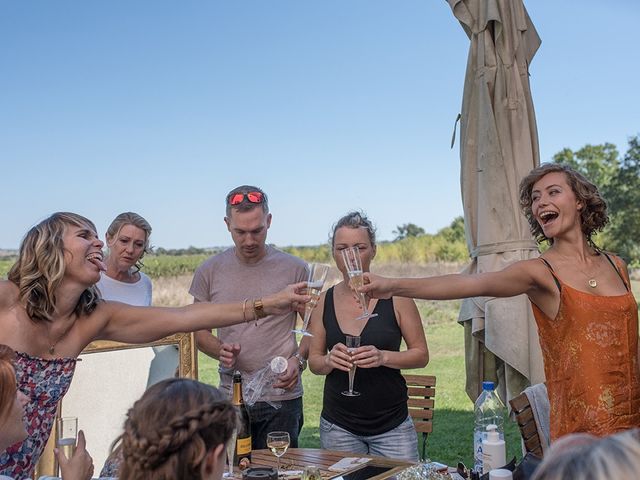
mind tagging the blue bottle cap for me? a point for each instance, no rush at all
(488, 386)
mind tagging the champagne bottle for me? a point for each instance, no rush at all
(243, 438)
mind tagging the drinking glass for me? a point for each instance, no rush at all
(66, 435)
(315, 282)
(353, 264)
(231, 450)
(351, 342)
(278, 442)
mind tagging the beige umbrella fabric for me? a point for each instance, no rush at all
(498, 146)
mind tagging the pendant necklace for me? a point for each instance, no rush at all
(591, 281)
(52, 346)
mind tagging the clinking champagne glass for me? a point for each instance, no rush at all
(351, 342)
(278, 442)
(66, 435)
(315, 282)
(353, 264)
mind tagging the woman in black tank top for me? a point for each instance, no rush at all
(376, 422)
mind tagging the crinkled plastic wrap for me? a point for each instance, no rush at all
(259, 384)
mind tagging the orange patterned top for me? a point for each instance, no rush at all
(590, 353)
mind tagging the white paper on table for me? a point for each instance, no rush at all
(348, 463)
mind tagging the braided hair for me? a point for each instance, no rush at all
(170, 430)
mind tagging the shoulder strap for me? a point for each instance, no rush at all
(617, 269)
(553, 274)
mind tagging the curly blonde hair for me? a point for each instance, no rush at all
(593, 216)
(170, 430)
(40, 267)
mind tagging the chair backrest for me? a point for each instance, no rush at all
(421, 392)
(187, 367)
(526, 423)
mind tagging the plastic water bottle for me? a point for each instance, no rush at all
(488, 410)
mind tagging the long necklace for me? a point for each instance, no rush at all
(591, 281)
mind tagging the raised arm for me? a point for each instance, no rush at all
(130, 324)
(521, 277)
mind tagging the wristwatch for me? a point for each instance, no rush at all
(302, 362)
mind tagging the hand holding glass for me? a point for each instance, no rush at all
(353, 264)
(315, 282)
(351, 342)
(66, 435)
(278, 442)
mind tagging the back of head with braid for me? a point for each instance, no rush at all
(169, 431)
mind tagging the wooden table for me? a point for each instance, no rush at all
(298, 458)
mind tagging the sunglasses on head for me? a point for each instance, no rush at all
(252, 197)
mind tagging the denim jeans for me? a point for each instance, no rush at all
(400, 442)
(265, 419)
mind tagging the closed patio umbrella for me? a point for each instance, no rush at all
(498, 147)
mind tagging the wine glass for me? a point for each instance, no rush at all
(278, 442)
(315, 282)
(351, 342)
(353, 264)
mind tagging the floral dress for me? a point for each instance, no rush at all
(45, 382)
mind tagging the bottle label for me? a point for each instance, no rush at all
(478, 456)
(243, 446)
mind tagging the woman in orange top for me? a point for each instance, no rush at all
(586, 314)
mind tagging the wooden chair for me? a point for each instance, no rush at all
(527, 424)
(421, 390)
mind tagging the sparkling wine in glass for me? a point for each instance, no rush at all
(66, 435)
(278, 442)
(231, 450)
(315, 282)
(353, 264)
(352, 342)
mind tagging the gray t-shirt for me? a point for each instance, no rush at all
(224, 279)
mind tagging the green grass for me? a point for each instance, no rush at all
(451, 440)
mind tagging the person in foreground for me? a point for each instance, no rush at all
(377, 422)
(251, 267)
(581, 458)
(50, 310)
(177, 430)
(586, 314)
(12, 428)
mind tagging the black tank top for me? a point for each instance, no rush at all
(382, 404)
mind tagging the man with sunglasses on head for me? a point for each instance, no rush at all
(252, 269)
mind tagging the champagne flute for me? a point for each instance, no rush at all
(278, 442)
(351, 342)
(315, 282)
(353, 264)
(231, 450)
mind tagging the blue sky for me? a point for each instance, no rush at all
(161, 107)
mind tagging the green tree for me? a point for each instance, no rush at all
(619, 183)
(623, 234)
(408, 230)
(455, 231)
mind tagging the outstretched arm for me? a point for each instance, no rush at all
(415, 356)
(130, 324)
(514, 280)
